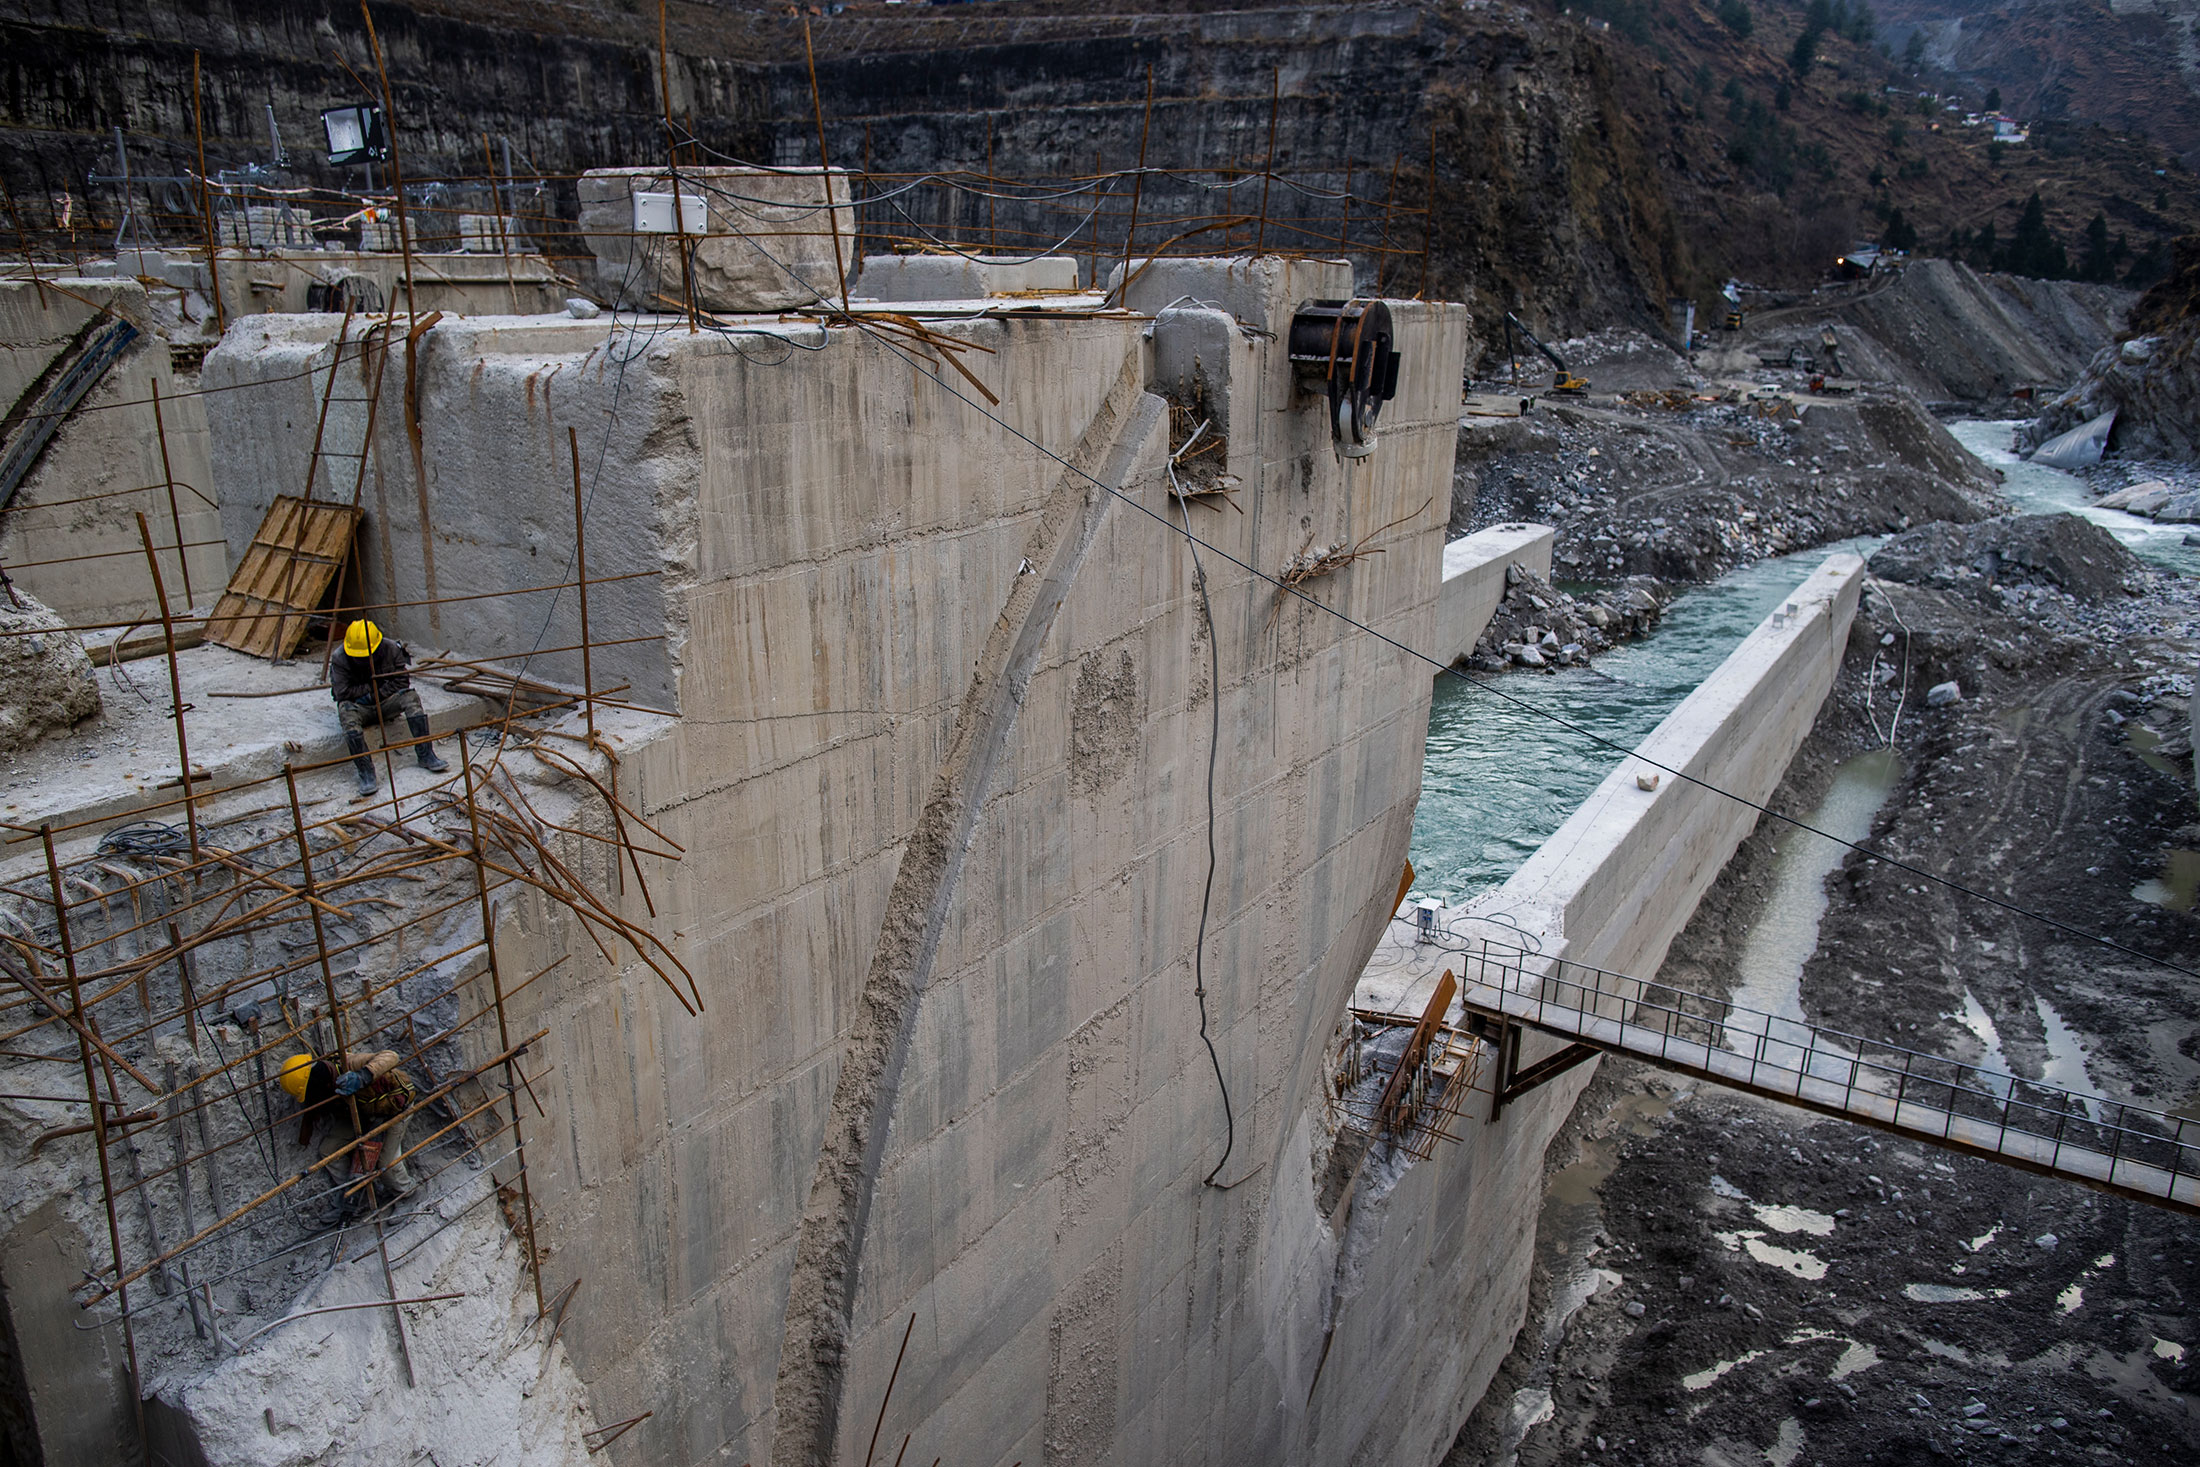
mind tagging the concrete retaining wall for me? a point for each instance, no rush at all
(1451, 1242)
(960, 277)
(1474, 581)
(104, 466)
(278, 281)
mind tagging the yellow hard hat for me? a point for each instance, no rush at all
(295, 1071)
(361, 638)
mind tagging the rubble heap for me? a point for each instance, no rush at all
(1537, 625)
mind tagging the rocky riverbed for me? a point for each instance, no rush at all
(1539, 626)
(1683, 484)
(1725, 1281)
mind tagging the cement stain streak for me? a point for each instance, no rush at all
(821, 1292)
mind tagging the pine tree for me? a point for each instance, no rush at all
(1805, 54)
(2098, 263)
(2033, 249)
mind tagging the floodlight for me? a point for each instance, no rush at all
(355, 135)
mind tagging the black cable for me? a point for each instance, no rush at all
(1206, 895)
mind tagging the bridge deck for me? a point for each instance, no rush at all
(2134, 1152)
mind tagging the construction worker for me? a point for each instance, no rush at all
(368, 1085)
(368, 681)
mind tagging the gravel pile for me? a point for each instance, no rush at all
(1539, 626)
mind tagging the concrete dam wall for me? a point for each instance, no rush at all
(935, 739)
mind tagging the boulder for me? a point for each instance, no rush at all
(1940, 695)
(759, 238)
(2144, 497)
(46, 683)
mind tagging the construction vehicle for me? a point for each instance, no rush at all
(1565, 383)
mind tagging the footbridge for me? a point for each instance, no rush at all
(1505, 990)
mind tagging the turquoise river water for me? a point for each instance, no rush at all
(1499, 778)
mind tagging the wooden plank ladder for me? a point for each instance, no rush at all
(291, 566)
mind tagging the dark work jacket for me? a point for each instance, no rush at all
(353, 680)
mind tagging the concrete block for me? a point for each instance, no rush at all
(1474, 581)
(75, 1382)
(769, 245)
(1195, 352)
(961, 277)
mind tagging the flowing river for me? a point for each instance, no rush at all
(1500, 777)
(2036, 490)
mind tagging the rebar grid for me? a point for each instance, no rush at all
(1434, 1098)
(274, 922)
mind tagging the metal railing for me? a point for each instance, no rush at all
(2131, 1150)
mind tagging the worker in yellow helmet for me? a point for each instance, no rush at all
(369, 683)
(362, 1086)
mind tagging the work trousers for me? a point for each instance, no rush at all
(356, 717)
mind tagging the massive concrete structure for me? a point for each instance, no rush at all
(939, 690)
(1007, 1121)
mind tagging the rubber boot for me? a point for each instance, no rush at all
(418, 723)
(360, 763)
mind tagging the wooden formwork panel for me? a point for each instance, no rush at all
(295, 557)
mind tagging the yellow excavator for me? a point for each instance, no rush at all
(1564, 383)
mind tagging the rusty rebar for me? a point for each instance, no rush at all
(825, 165)
(672, 154)
(206, 205)
(872, 1450)
(175, 516)
(1390, 200)
(1268, 168)
(397, 164)
(504, 1037)
(580, 575)
(1138, 189)
(175, 681)
(99, 1125)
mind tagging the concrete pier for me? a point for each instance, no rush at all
(938, 692)
(1475, 569)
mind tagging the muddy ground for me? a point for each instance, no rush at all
(1724, 1281)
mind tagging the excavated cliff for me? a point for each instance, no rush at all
(1544, 197)
(2150, 380)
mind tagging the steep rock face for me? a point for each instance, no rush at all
(1948, 333)
(1543, 195)
(572, 88)
(2151, 381)
(2153, 385)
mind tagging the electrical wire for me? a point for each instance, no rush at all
(1214, 749)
